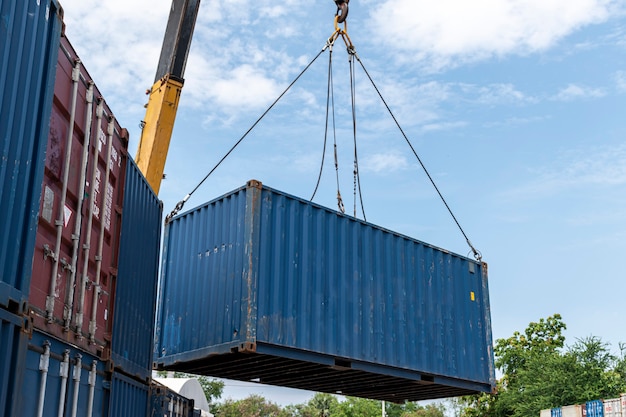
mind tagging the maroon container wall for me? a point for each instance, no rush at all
(77, 243)
(29, 40)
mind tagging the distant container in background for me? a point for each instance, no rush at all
(612, 407)
(76, 250)
(129, 397)
(556, 412)
(60, 380)
(572, 411)
(29, 41)
(594, 408)
(13, 343)
(259, 285)
(136, 290)
(168, 403)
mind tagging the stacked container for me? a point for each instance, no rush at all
(129, 397)
(70, 198)
(12, 351)
(29, 41)
(136, 291)
(612, 407)
(58, 379)
(572, 411)
(594, 408)
(76, 249)
(168, 403)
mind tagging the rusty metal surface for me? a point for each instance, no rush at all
(92, 208)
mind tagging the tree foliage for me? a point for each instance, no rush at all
(539, 373)
(252, 406)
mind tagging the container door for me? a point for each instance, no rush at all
(60, 380)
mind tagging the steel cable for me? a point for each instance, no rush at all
(181, 203)
(477, 254)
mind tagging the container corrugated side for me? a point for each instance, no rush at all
(594, 408)
(29, 40)
(13, 343)
(77, 244)
(556, 412)
(545, 413)
(129, 398)
(59, 379)
(612, 407)
(572, 411)
(260, 285)
(168, 403)
(135, 301)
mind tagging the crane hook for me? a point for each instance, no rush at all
(342, 10)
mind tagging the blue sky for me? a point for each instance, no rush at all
(517, 108)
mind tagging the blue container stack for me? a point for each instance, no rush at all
(29, 41)
(40, 374)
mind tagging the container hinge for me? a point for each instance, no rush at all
(48, 253)
(66, 265)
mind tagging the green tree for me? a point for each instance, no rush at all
(359, 407)
(539, 373)
(252, 406)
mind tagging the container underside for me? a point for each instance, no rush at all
(335, 377)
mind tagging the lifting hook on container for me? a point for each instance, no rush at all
(342, 10)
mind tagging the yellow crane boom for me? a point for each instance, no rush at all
(164, 95)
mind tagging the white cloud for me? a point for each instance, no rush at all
(431, 127)
(245, 86)
(452, 31)
(493, 94)
(573, 91)
(597, 167)
(384, 162)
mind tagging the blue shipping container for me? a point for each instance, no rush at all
(260, 285)
(129, 398)
(29, 42)
(60, 380)
(556, 412)
(13, 342)
(168, 403)
(136, 291)
(594, 408)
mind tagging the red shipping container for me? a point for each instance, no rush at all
(76, 252)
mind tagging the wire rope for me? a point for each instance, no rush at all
(356, 172)
(477, 254)
(181, 203)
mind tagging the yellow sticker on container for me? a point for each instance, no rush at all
(472, 296)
